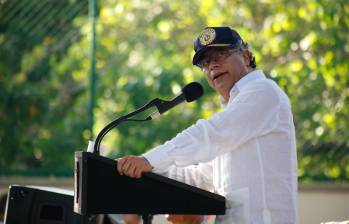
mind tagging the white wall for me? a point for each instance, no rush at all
(323, 203)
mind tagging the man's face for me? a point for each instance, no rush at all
(224, 67)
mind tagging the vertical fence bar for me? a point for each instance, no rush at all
(93, 75)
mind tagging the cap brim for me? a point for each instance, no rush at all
(200, 53)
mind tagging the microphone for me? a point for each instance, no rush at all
(190, 92)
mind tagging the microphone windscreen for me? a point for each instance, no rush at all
(192, 91)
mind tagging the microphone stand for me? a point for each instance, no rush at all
(147, 218)
(191, 92)
(116, 122)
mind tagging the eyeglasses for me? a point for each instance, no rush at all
(217, 56)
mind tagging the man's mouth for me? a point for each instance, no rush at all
(216, 76)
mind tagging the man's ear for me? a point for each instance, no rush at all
(246, 54)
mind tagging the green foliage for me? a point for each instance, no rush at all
(144, 51)
(42, 107)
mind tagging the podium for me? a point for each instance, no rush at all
(100, 189)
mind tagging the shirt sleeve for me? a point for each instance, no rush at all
(196, 175)
(253, 113)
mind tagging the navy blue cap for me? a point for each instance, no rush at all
(215, 37)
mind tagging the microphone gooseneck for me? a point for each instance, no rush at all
(190, 92)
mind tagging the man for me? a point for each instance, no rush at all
(247, 152)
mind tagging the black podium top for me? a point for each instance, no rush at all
(99, 189)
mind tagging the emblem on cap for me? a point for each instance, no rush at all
(207, 36)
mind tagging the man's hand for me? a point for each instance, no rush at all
(133, 166)
(185, 219)
(131, 218)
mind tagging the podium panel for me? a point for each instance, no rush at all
(99, 189)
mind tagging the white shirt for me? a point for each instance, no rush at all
(246, 153)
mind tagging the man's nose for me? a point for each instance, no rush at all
(214, 63)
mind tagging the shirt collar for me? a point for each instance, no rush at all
(241, 84)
